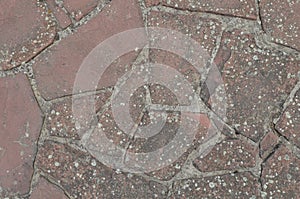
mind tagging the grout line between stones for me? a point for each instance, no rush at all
(289, 99)
(258, 13)
(27, 69)
(185, 10)
(51, 180)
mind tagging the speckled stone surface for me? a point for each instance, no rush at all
(257, 81)
(208, 109)
(281, 20)
(237, 185)
(280, 175)
(289, 123)
(26, 29)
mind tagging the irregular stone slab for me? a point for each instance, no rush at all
(155, 143)
(257, 81)
(202, 136)
(56, 69)
(60, 121)
(281, 20)
(21, 121)
(236, 185)
(164, 127)
(236, 8)
(230, 154)
(46, 190)
(82, 176)
(289, 123)
(281, 175)
(61, 17)
(80, 8)
(267, 144)
(203, 30)
(25, 29)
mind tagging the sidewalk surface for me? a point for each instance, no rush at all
(251, 151)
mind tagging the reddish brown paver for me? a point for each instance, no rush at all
(280, 175)
(132, 143)
(170, 171)
(84, 177)
(257, 81)
(236, 185)
(60, 15)
(21, 121)
(281, 20)
(79, 8)
(56, 69)
(71, 161)
(60, 120)
(237, 8)
(289, 123)
(267, 144)
(44, 189)
(203, 30)
(25, 29)
(230, 154)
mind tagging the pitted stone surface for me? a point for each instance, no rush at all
(83, 176)
(289, 123)
(25, 29)
(59, 153)
(281, 20)
(257, 82)
(204, 31)
(236, 185)
(60, 15)
(280, 175)
(228, 155)
(60, 121)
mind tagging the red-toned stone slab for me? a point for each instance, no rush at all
(289, 123)
(79, 8)
(56, 70)
(162, 95)
(281, 175)
(236, 8)
(60, 119)
(228, 155)
(46, 190)
(129, 141)
(256, 80)
(201, 137)
(25, 29)
(82, 176)
(203, 30)
(20, 125)
(281, 20)
(237, 185)
(61, 17)
(267, 144)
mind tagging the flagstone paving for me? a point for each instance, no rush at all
(61, 142)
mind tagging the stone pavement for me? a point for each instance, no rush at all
(251, 152)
